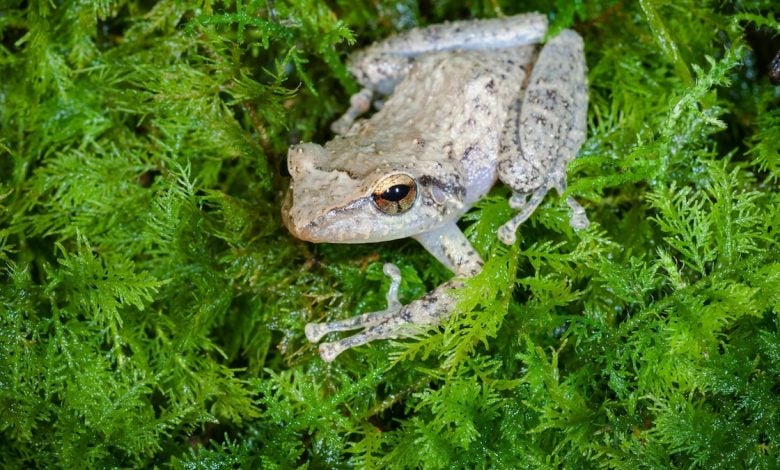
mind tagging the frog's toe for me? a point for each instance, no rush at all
(526, 204)
(391, 297)
(579, 219)
(329, 351)
(368, 321)
(506, 233)
(359, 103)
(518, 201)
(315, 331)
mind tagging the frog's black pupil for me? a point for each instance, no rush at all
(395, 193)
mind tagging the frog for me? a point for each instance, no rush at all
(459, 106)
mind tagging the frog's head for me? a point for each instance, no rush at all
(364, 198)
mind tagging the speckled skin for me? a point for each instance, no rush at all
(463, 112)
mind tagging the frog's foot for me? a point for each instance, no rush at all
(579, 219)
(315, 331)
(527, 205)
(359, 103)
(393, 322)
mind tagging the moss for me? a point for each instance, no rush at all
(153, 307)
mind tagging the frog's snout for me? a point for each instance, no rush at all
(289, 218)
(298, 221)
(286, 209)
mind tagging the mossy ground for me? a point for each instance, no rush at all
(152, 306)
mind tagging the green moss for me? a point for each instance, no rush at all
(152, 306)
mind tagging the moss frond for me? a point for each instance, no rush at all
(152, 305)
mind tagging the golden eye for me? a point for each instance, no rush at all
(395, 194)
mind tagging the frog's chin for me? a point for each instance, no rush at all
(340, 233)
(346, 230)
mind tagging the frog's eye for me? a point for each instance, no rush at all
(395, 194)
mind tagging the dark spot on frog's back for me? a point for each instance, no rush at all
(491, 86)
(447, 147)
(467, 153)
(540, 120)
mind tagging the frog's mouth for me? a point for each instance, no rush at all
(332, 224)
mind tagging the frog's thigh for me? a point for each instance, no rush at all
(381, 66)
(546, 132)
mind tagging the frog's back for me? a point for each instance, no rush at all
(452, 106)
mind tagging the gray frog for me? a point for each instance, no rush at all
(467, 103)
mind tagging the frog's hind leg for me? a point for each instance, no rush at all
(526, 204)
(545, 130)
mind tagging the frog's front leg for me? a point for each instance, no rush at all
(545, 133)
(448, 245)
(396, 321)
